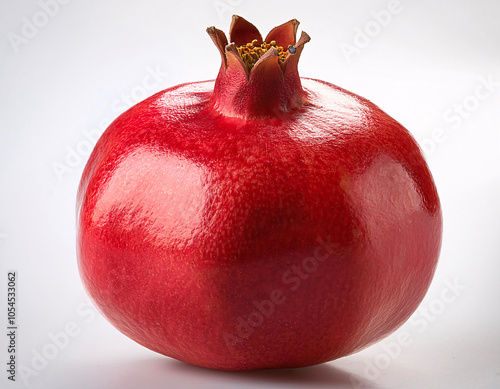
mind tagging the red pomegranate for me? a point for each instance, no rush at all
(259, 221)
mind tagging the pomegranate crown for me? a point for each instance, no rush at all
(258, 78)
(249, 51)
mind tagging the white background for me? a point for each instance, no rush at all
(86, 61)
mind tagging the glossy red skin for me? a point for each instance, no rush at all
(186, 218)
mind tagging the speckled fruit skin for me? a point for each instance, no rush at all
(256, 243)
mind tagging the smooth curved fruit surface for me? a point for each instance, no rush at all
(280, 241)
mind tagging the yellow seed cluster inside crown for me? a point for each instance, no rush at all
(251, 52)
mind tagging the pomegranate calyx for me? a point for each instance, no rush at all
(220, 41)
(285, 33)
(250, 45)
(258, 78)
(242, 31)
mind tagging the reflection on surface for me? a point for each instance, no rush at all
(156, 192)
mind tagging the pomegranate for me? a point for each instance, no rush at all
(261, 220)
